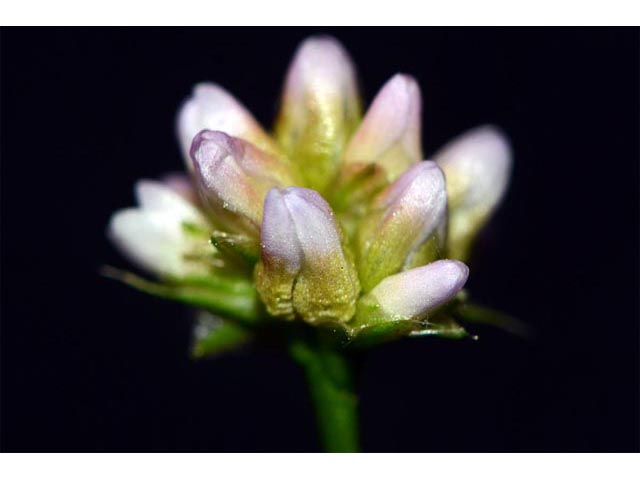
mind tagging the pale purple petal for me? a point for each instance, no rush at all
(315, 226)
(390, 131)
(478, 166)
(321, 65)
(402, 218)
(414, 293)
(279, 239)
(211, 107)
(303, 271)
(233, 177)
(320, 109)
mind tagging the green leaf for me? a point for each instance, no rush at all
(232, 297)
(213, 335)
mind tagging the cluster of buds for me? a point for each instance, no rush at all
(336, 220)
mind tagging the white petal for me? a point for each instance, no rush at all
(213, 108)
(321, 67)
(157, 197)
(477, 166)
(412, 294)
(153, 236)
(151, 240)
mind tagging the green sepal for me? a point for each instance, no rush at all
(382, 333)
(213, 336)
(356, 185)
(352, 193)
(234, 298)
(334, 334)
(443, 326)
(236, 245)
(440, 325)
(193, 229)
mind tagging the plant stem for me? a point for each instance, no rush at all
(330, 379)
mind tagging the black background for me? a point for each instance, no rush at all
(89, 365)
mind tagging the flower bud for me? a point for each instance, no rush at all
(211, 107)
(401, 219)
(477, 166)
(320, 109)
(233, 178)
(166, 235)
(389, 134)
(304, 271)
(413, 294)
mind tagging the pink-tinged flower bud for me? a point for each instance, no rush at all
(233, 178)
(211, 107)
(304, 272)
(401, 220)
(413, 294)
(166, 235)
(477, 166)
(389, 134)
(320, 109)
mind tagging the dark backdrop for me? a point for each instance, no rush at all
(89, 365)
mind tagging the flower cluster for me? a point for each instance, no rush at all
(337, 220)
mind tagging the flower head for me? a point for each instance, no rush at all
(336, 220)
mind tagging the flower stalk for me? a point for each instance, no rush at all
(330, 379)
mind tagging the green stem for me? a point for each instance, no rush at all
(330, 379)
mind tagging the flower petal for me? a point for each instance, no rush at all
(389, 134)
(154, 236)
(211, 107)
(160, 197)
(402, 218)
(304, 271)
(181, 184)
(477, 166)
(320, 108)
(413, 294)
(233, 178)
